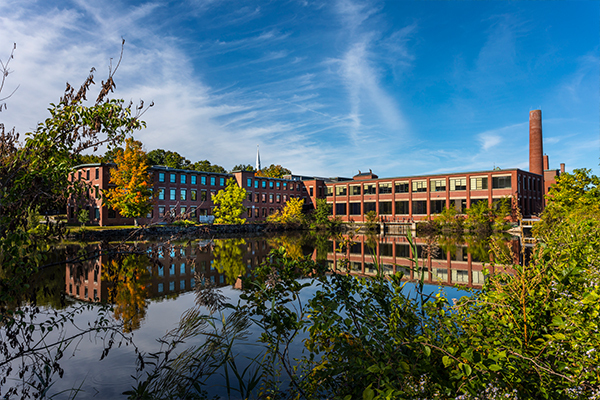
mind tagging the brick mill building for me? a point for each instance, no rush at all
(185, 193)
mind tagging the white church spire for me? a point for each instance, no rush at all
(257, 159)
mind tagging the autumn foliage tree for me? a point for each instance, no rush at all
(273, 171)
(132, 194)
(229, 204)
(290, 214)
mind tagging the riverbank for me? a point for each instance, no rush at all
(171, 231)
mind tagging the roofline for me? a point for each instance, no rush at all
(438, 175)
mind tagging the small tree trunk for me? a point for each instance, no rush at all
(135, 222)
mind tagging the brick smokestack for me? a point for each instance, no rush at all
(536, 149)
(546, 163)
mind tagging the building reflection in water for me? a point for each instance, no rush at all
(149, 271)
(440, 260)
(165, 269)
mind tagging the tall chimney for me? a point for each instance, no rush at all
(536, 149)
(546, 162)
(562, 168)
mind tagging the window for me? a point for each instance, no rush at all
(213, 181)
(161, 176)
(249, 197)
(172, 194)
(264, 184)
(385, 207)
(87, 177)
(340, 190)
(193, 179)
(284, 185)
(419, 207)
(437, 206)
(329, 191)
(310, 191)
(182, 178)
(370, 206)
(96, 192)
(501, 182)
(459, 205)
(203, 195)
(183, 194)
(458, 184)
(284, 198)
(340, 209)
(96, 213)
(386, 249)
(278, 198)
(401, 187)
(97, 173)
(183, 210)
(256, 215)
(278, 184)
(249, 212)
(355, 208)
(256, 184)
(193, 195)
(264, 197)
(270, 184)
(173, 178)
(419, 186)
(355, 190)
(193, 212)
(402, 250)
(385, 188)
(203, 180)
(221, 181)
(438, 185)
(270, 197)
(479, 183)
(402, 207)
(249, 182)
(369, 189)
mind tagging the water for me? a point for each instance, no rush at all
(151, 284)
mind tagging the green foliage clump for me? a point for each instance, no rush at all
(229, 204)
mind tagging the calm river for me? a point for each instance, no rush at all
(151, 289)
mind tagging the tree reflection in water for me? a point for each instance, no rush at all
(128, 291)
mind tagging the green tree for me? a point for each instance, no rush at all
(243, 167)
(274, 171)
(132, 193)
(206, 166)
(229, 204)
(322, 213)
(168, 158)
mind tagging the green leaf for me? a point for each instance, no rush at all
(495, 367)
(447, 361)
(368, 394)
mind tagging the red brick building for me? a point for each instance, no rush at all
(188, 194)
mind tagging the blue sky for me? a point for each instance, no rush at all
(326, 88)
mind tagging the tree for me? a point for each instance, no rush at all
(274, 171)
(322, 212)
(291, 213)
(34, 174)
(243, 167)
(229, 204)
(168, 158)
(132, 195)
(206, 166)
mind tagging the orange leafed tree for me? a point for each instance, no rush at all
(132, 194)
